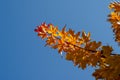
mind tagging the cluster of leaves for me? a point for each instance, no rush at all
(114, 18)
(82, 51)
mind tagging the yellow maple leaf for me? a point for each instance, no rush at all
(52, 30)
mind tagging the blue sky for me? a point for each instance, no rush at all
(22, 53)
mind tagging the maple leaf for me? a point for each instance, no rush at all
(41, 30)
(52, 30)
(50, 40)
(106, 50)
(63, 35)
(92, 45)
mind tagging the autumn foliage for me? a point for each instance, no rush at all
(82, 50)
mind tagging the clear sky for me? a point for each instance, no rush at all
(22, 53)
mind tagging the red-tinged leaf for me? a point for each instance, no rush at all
(38, 29)
(42, 28)
(50, 24)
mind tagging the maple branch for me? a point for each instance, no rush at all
(79, 49)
